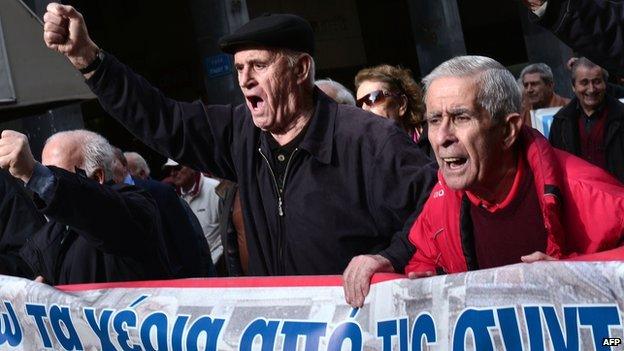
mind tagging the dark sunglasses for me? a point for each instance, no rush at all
(375, 97)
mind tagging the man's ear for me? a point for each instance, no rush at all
(303, 68)
(513, 125)
(98, 175)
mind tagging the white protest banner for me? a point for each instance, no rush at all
(545, 305)
(542, 119)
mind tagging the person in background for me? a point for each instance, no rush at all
(538, 90)
(98, 231)
(336, 91)
(137, 166)
(391, 92)
(591, 126)
(198, 191)
(188, 252)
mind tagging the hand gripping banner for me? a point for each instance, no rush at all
(540, 306)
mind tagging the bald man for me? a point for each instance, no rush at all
(98, 231)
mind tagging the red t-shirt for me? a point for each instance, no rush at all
(504, 232)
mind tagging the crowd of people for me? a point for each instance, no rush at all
(307, 178)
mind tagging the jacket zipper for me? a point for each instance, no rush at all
(280, 211)
(280, 205)
(61, 255)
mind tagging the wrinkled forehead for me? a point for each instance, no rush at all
(532, 78)
(255, 53)
(451, 88)
(584, 72)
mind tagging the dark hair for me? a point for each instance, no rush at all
(584, 62)
(400, 80)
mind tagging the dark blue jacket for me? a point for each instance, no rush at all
(19, 220)
(593, 28)
(349, 187)
(96, 233)
(189, 254)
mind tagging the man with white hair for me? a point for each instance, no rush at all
(336, 91)
(137, 166)
(504, 194)
(319, 182)
(98, 231)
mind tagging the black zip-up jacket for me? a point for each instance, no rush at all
(593, 28)
(348, 187)
(564, 133)
(96, 233)
(19, 220)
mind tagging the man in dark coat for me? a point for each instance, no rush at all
(592, 28)
(96, 232)
(19, 220)
(187, 249)
(591, 126)
(320, 182)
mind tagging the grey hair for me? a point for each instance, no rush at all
(497, 90)
(543, 69)
(96, 151)
(585, 62)
(343, 95)
(293, 56)
(136, 163)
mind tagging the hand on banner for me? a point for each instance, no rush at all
(537, 256)
(356, 278)
(534, 4)
(65, 31)
(15, 155)
(416, 275)
(40, 279)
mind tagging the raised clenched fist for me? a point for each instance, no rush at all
(64, 30)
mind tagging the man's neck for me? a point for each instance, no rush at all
(544, 103)
(186, 188)
(499, 189)
(296, 125)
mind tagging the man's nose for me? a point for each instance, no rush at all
(443, 134)
(245, 78)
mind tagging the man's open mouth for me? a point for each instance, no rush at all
(454, 162)
(255, 102)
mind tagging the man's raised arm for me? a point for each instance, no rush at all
(64, 30)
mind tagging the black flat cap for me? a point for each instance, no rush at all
(272, 30)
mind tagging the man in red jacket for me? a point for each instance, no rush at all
(504, 194)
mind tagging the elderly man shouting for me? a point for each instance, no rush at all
(320, 182)
(98, 232)
(504, 194)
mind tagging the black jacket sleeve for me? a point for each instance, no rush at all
(104, 215)
(403, 178)
(19, 220)
(593, 28)
(193, 134)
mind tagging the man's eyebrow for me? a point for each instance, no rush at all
(433, 114)
(459, 111)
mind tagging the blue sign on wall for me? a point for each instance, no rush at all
(218, 65)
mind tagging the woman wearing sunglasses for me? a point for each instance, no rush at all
(391, 92)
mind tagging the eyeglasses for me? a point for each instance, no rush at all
(375, 97)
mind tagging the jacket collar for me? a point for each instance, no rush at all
(319, 139)
(319, 134)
